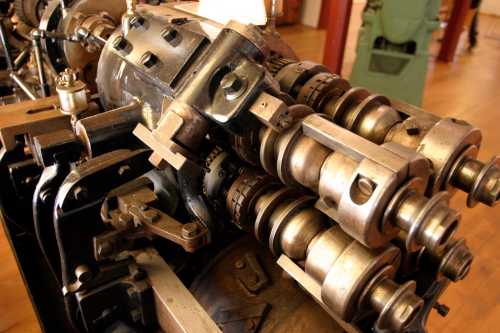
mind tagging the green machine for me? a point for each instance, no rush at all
(392, 51)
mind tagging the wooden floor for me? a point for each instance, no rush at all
(468, 89)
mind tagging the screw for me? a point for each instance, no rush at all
(240, 264)
(135, 315)
(124, 170)
(120, 43)
(231, 83)
(80, 193)
(148, 59)
(46, 195)
(189, 230)
(125, 220)
(138, 274)
(137, 21)
(105, 249)
(169, 34)
(442, 309)
(366, 186)
(83, 273)
(150, 215)
(131, 292)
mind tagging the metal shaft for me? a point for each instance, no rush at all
(6, 46)
(44, 87)
(27, 90)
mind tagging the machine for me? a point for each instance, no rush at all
(184, 175)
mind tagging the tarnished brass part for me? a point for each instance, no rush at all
(344, 284)
(323, 250)
(307, 157)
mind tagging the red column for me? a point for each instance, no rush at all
(454, 30)
(339, 14)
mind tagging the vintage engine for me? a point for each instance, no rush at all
(212, 159)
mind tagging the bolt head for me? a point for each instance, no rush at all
(231, 83)
(366, 186)
(239, 264)
(233, 86)
(83, 273)
(190, 230)
(46, 195)
(80, 193)
(169, 34)
(120, 43)
(124, 170)
(137, 21)
(148, 59)
(105, 249)
(125, 220)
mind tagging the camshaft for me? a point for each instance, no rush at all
(451, 145)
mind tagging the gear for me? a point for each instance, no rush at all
(242, 195)
(321, 88)
(30, 11)
(274, 65)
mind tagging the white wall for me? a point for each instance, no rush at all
(311, 10)
(491, 7)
